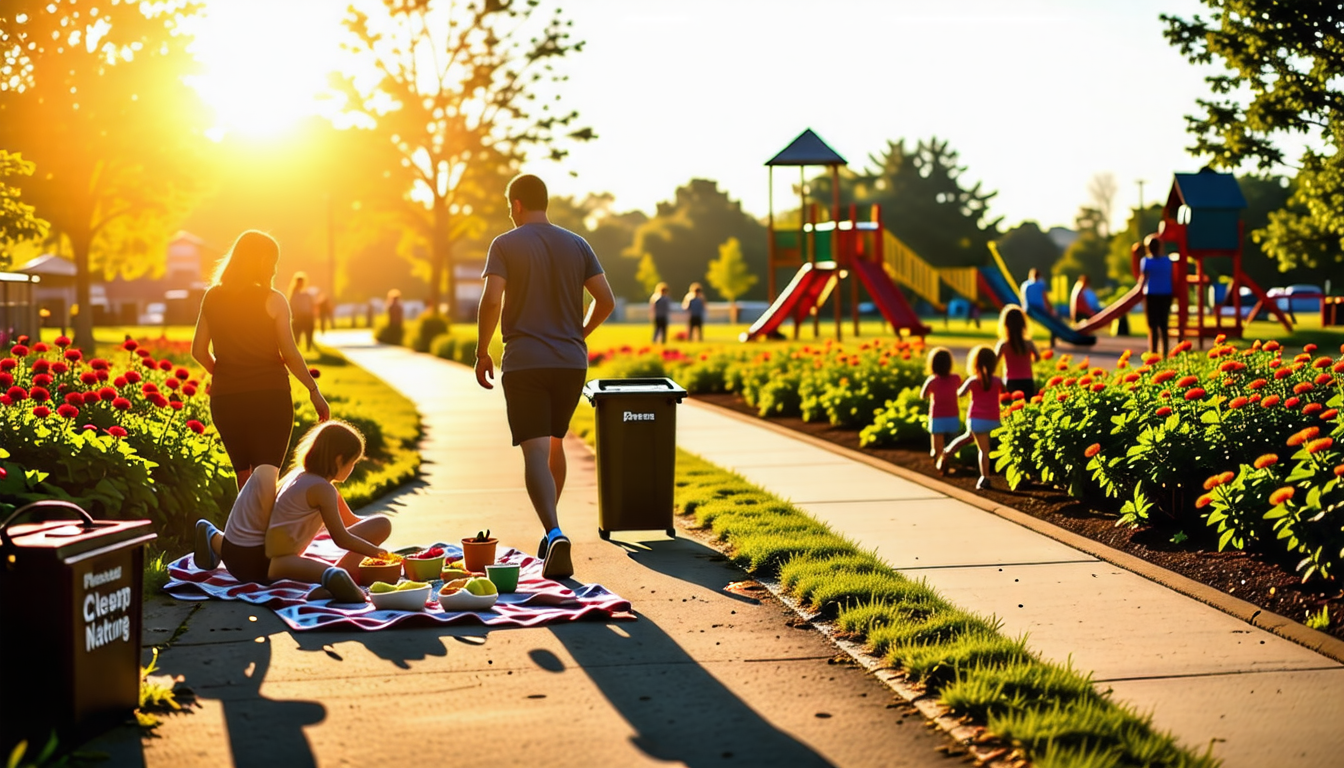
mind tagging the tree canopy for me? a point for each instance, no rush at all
(464, 94)
(1026, 247)
(17, 219)
(729, 274)
(93, 95)
(1284, 65)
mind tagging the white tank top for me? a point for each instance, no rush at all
(294, 523)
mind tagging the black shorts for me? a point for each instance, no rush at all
(696, 322)
(254, 426)
(1157, 308)
(1026, 386)
(249, 565)
(541, 400)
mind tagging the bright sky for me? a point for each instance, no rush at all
(1037, 95)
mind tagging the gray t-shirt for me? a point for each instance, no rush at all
(544, 268)
(660, 306)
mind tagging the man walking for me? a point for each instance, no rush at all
(535, 277)
(1156, 278)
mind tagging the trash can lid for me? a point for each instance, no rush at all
(69, 540)
(656, 386)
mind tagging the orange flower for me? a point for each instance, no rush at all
(1098, 387)
(1270, 402)
(1037, 399)
(1228, 382)
(1204, 501)
(1130, 378)
(1213, 482)
(1302, 358)
(1339, 471)
(1324, 378)
(1187, 381)
(1162, 376)
(1092, 450)
(1291, 402)
(1084, 381)
(1283, 373)
(1062, 396)
(1275, 363)
(1268, 460)
(1311, 408)
(1054, 380)
(1257, 384)
(1271, 345)
(1226, 477)
(1321, 362)
(1163, 411)
(1061, 366)
(1151, 357)
(1047, 354)
(1255, 398)
(1309, 348)
(1316, 446)
(1164, 394)
(1237, 402)
(1303, 436)
(1282, 495)
(1329, 414)
(1195, 394)
(1303, 386)
(1220, 338)
(1338, 367)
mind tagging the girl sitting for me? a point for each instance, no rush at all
(983, 415)
(308, 502)
(1016, 351)
(940, 389)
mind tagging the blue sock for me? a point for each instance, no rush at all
(553, 533)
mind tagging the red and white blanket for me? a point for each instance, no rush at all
(537, 601)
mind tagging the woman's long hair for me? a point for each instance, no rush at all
(1013, 328)
(323, 448)
(251, 261)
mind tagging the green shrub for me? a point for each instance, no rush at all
(444, 346)
(901, 420)
(393, 335)
(430, 328)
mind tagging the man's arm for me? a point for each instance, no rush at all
(487, 319)
(603, 303)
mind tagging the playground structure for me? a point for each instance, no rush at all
(827, 250)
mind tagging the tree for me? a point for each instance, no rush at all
(1287, 57)
(729, 274)
(684, 234)
(1101, 191)
(1026, 247)
(647, 275)
(609, 233)
(93, 96)
(1118, 262)
(458, 84)
(1087, 254)
(17, 220)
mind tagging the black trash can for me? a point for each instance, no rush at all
(70, 595)
(636, 424)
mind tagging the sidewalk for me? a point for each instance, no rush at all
(703, 677)
(1207, 676)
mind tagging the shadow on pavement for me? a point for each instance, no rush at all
(679, 711)
(689, 561)
(262, 731)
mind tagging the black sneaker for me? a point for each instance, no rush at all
(541, 548)
(983, 484)
(557, 563)
(204, 554)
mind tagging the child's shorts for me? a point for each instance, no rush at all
(944, 425)
(983, 426)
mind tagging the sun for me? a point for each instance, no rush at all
(265, 62)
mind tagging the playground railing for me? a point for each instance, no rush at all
(910, 270)
(962, 280)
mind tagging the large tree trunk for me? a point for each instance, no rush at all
(442, 250)
(83, 324)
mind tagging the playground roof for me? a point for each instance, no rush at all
(1206, 189)
(807, 149)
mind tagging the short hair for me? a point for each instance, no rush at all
(940, 361)
(1154, 244)
(251, 261)
(528, 190)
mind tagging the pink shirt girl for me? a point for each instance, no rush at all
(941, 391)
(984, 403)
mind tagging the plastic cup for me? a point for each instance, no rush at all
(504, 576)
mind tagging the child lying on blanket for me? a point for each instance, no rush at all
(307, 502)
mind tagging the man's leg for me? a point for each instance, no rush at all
(557, 465)
(541, 485)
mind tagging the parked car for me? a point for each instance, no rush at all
(1310, 303)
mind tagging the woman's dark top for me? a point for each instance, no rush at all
(247, 350)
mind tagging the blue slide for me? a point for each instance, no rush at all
(1002, 292)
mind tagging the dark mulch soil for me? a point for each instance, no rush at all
(1254, 578)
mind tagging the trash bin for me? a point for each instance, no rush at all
(636, 421)
(70, 595)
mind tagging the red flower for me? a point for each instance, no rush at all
(90, 398)
(1162, 376)
(1338, 367)
(1303, 436)
(316, 374)
(103, 375)
(98, 364)
(1237, 402)
(196, 426)
(67, 411)
(8, 364)
(16, 394)
(121, 404)
(116, 431)
(182, 374)
(40, 347)
(148, 388)
(89, 428)
(1301, 387)
(1311, 408)
(129, 345)
(1283, 373)
(188, 390)
(1309, 348)
(148, 362)
(1270, 402)
(41, 411)
(1069, 382)
(1149, 358)
(142, 352)
(172, 384)
(40, 380)
(1321, 362)
(1062, 396)
(1092, 450)
(1268, 460)
(1054, 381)
(133, 377)
(1316, 446)
(1019, 395)
(88, 377)
(74, 398)
(176, 404)
(107, 394)
(1163, 411)
(1195, 394)
(74, 355)
(1271, 345)
(165, 365)
(1324, 378)
(39, 394)
(1204, 501)
(1083, 382)
(59, 368)
(1282, 495)
(1291, 402)
(1047, 354)
(1098, 387)
(1339, 471)
(41, 365)
(1130, 378)
(62, 341)
(120, 382)
(1329, 414)
(6, 380)
(158, 400)
(1005, 398)
(19, 351)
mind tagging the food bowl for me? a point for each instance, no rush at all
(401, 599)
(389, 572)
(423, 569)
(462, 600)
(504, 576)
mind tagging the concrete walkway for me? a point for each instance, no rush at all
(704, 677)
(1207, 676)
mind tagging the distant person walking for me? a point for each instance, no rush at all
(1083, 302)
(396, 313)
(301, 305)
(659, 305)
(1036, 294)
(535, 277)
(1155, 277)
(694, 304)
(244, 341)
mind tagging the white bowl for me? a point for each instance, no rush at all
(401, 600)
(462, 600)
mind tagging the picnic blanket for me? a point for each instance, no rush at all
(537, 601)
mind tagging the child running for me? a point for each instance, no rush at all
(983, 415)
(308, 501)
(940, 389)
(1016, 351)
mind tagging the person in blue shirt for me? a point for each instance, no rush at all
(1036, 294)
(1155, 277)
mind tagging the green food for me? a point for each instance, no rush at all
(480, 586)
(380, 587)
(405, 585)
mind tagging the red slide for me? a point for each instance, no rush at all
(806, 290)
(1117, 308)
(888, 298)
